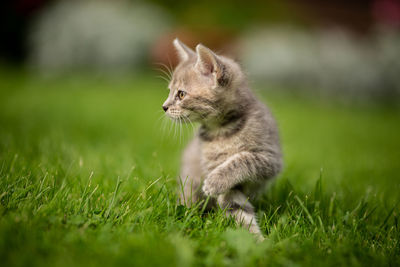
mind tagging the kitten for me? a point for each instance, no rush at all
(236, 149)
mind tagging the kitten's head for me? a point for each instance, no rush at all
(202, 86)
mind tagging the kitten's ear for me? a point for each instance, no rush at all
(207, 61)
(209, 64)
(184, 52)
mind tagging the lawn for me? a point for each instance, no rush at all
(88, 167)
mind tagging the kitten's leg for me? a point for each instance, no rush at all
(240, 168)
(190, 180)
(237, 205)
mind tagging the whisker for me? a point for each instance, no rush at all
(163, 74)
(161, 121)
(170, 65)
(186, 123)
(162, 64)
(162, 77)
(190, 121)
(167, 74)
(163, 70)
(174, 129)
(180, 130)
(169, 70)
(160, 115)
(169, 128)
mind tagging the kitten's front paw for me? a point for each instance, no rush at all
(214, 185)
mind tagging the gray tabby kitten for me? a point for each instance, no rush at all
(236, 149)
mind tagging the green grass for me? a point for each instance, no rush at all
(87, 177)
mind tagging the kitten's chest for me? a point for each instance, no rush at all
(216, 152)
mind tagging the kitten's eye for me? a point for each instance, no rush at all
(181, 94)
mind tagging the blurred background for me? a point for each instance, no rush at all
(80, 106)
(348, 50)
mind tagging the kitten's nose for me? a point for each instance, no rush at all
(165, 108)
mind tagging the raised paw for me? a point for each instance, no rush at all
(214, 185)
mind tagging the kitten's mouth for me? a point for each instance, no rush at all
(179, 117)
(175, 116)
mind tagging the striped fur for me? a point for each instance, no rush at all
(236, 149)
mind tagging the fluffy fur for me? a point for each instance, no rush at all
(236, 149)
